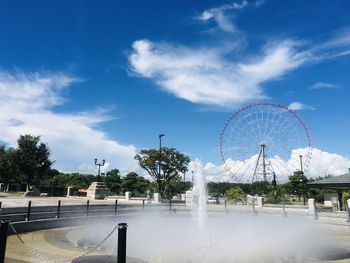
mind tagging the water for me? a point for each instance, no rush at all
(199, 194)
(223, 237)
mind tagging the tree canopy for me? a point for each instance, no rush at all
(33, 158)
(235, 193)
(170, 161)
(113, 181)
(135, 184)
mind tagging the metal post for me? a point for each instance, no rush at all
(121, 256)
(3, 239)
(170, 205)
(87, 207)
(0, 205)
(28, 211)
(225, 205)
(301, 163)
(184, 183)
(143, 204)
(116, 207)
(254, 211)
(315, 212)
(284, 208)
(264, 163)
(58, 209)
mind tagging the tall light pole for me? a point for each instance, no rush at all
(160, 159)
(301, 163)
(99, 168)
(184, 183)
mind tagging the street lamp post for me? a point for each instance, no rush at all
(301, 163)
(184, 184)
(99, 168)
(160, 159)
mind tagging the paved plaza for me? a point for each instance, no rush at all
(53, 245)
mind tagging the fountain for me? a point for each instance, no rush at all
(199, 194)
(194, 235)
(225, 237)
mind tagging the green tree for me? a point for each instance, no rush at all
(171, 163)
(58, 180)
(33, 159)
(5, 174)
(135, 184)
(260, 188)
(113, 181)
(77, 180)
(297, 184)
(221, 188)
(235, 193)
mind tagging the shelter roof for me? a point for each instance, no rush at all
(334, 182)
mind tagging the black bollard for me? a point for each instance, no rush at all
(143, 204)
(121, 256)
(87, 207)
(58, 209)
(28, 211)
(3, 239)
(0, 205)
(170, 205)
(116, 207)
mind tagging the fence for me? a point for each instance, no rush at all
(5, 226)
(14, 218)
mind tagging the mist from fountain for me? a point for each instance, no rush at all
(199, 194)
(220, 237)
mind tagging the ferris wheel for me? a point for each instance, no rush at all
(264, 140)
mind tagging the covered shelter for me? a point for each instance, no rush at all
(339, 183)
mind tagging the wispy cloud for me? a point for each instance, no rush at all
(322, 85)
(336, 46)
(296, 105)
(219, 14)
(27, 105)
(214, 76)
(206, 76)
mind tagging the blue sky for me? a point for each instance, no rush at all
(103, 79)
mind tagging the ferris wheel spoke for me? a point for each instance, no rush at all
(277, 167)
(246, 169)
(266, 122)
(257, 119)
(273, 125)
(263, 126)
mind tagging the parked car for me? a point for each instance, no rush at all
(211, 200)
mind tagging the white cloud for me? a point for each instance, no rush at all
(337, 46)
(207, 76)
(27, 104)
(322, 85)
(296, 105)
(322, 163)
(218, 15)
